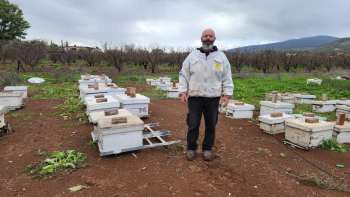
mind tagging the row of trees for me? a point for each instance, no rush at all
(30, 52)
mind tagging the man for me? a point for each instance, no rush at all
(205, 77)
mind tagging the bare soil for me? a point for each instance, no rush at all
(238, 170)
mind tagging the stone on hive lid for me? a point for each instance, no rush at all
(341, 119)
(99, 95)
(274, 120)
(308, 114)
(315, 127)
(343, 99)
(94, 116)
(277, 114)
(312, 120)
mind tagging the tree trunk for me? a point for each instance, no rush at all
(152, 70)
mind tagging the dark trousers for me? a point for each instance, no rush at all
(209, 108)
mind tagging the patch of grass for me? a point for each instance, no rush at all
(192, 168)
(260, 150)
(15, 115)
(334, 146)
(324, 181)
(91, 143)
(283, 156)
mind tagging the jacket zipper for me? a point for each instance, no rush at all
(205, 75)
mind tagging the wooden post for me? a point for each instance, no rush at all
(274, 98)
(324, 97)
(341, 119)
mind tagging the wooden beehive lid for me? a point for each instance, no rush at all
(314, 127)
(133, 123)
(16, 88)
(94, 116)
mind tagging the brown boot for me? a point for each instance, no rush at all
(190, 155)
(208, 156)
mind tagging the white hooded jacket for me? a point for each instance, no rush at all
(203, 76)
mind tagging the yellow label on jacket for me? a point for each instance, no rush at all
(218, 66)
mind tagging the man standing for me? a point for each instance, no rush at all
(205, 77)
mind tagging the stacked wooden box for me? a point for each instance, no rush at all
(304, 98)
(268, 107)
(137, 105)
(274, 123)
(12, 100)
(101, 104)
(239, 110)
(173, 92)
(341, 132)
(343, 109)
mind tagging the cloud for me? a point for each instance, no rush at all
(180, 23)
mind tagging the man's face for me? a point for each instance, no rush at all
(208, 37)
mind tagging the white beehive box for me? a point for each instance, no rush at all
(90, 92)
(268, 96)
(153, 82)
(339, 102)
(11, 99)
(93, 106)
(308, 135)
(172, 93)
(343, 109)
(307, 99)
(2, 115)
(116, 137)
(318, 81)
(273, 125)
(301, 116)
(323, 106)
(341, 133)
(223, 110)
(91, 81)
(163, 86)
(116, 91)
(286, 99)
(22, 89)
(239, 111)
(89, 76)
(137, 106)
(148, 81)
(267, 107)
(165, 79)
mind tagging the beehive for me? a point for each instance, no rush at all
(342, 102)
(323, 106)
(308, 135)
(301, 116)
(341, 133)
(165, 79)
(343, 109)
(307, 99)
(273, 125)
(93, 104)
(2, 115)
(315, 80)
(91, 81)
(137, 105)
(153, 82)
(22, 89)
(90, 92)
(238, 111)
(173, 92)
(11, 99)
(222, 109)
(87, 76)
(267, 107)
(121, 136)
(163, 85)
(284, 98)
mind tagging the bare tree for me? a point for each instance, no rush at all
(343, 61)
(286, 59)
(67, 55)
(153, 54)
(30, 52)
(89, 55)
(116, 55)
(237, 58)
(328, 61)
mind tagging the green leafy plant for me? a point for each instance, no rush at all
(192, 168)
(260, 150)
(77, 188)
(180, 146)
(333, 145)
(219, 151)
(283, 156)
(91, 143)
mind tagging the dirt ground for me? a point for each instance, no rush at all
(238, 170)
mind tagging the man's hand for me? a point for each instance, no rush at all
(224, 100)
(184, 98)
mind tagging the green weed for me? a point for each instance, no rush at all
(333, 145)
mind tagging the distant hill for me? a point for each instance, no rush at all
(338, 46)
(294, 44)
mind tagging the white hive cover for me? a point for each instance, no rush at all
(126, 100)
(274, 120)
(94, 116)
(279, 104)
(36, 80)
(106, 127)
(11, 94)
(313, 127)
(21, 88)
(92, 105)
(324, 102)
(308, 96)
(244, 107)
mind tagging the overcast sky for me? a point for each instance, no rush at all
(180, 23)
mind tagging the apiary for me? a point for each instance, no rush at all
(323, 106)
(239, 110)
(304, 98)
(341, 131)
(315, 80)
(343, 109)
(114, 136)
(308, 114)
(165, 79)
(2, 115)
(308, 132)
(286, 99)
(274, 123)
(91, 81)
(94, 116)
(268, 107)
(223, 110)
(101, 104)
(12, 100)
(22, 89)
(163, 85)
(137, 105)
(153, 81)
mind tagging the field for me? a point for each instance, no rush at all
(248, 162)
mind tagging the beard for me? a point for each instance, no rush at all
(206, 46)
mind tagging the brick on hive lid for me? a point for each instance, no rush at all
(90, 86)
(284, 94)
(347, 105)
(111, 112)
(277, 114)
(304, 93)
(274, 92)
(315, 78)
(109, 84)
(87, 75)
(312, 120)
(132, 92)
(343, 99)
(174, 83)
(155, 79)
(128, 91)
(161, 80)
(101, 100)
(99, 96)
(117, 120)
(86, 79)
(175, 88)
(99, 73)
(293, 92)
(308, 114)
(7, 91)
(341, 119)
(114, 87)
(239, 103)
